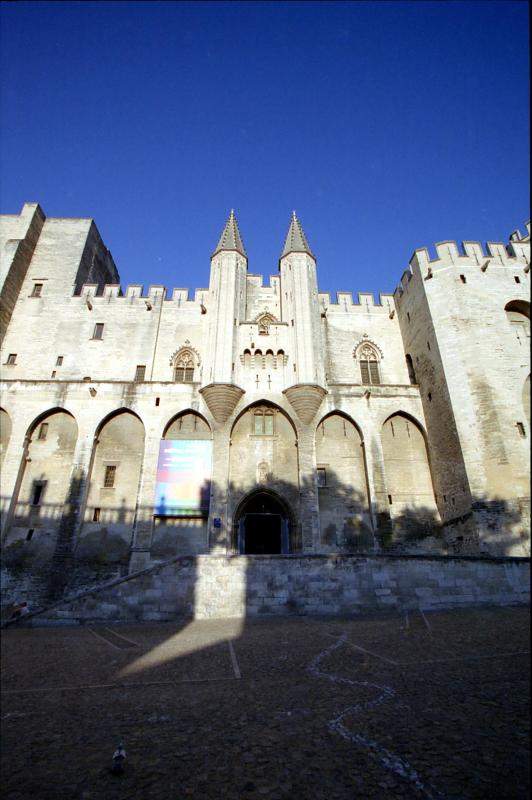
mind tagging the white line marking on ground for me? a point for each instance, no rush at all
(368, 652)
(124, 638)
(425, 620)
(388, 759)
(103, 639)
(464, 658)
(234, 662)
(114, 686)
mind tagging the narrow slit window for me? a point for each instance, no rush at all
(43, 431)
(37, 290)
(96, 515)
(463, 278)
(59, 362)
(29, 534)
(36, 497)
(98, 331)
(517, 279)
(521, 430)
(322, 476)
(109, 477)
(12, 359)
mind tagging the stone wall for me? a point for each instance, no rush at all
(240, 586)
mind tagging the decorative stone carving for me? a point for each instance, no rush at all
(366, 349)
(221, 399)
(305, 399)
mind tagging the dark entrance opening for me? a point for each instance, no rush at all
(262, 526)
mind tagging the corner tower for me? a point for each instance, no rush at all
(299, 308)
(226, 309)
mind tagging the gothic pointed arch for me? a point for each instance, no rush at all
(185, 363)
(368, 354)
(264, 320)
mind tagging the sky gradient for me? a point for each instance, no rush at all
(386, 126)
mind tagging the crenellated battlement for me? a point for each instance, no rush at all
(366, 302)
(468, 254)
(134, 294)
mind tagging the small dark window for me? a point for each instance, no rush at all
(157, 401)
(411, 371)
(12, 358)
(463, 278)
(140, 373)
(517, 279)
(430, 397)
(37, 290)
(428, 345)
(109, 479)
(59, 362)
(408, 316)
(54, 374)
(29, 534)
(390, 501)
(98, 331)
(96, 515)
(322, 476)
(521, 430)
(43, 431)
(36, 497)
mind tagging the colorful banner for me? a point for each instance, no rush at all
(183, 477)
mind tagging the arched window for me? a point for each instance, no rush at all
(264, 322)
(518, 315)
(263, 422)
(411, 371)
(369, 365)
(184, 367)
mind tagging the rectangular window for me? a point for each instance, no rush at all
(96, 515)
(140, 373)
(263, 424)
(59, 362)
(12, 358)
(268, 424)
(257, 430)
(374, 372)
(322, 476)
(36, 497)
(364, 371)
(30, 534)
(109, 479)
(98, 331)
(517, 279)
(521, 430)
(463, 278)
(37, 290)
(43, 431)
(390, 500)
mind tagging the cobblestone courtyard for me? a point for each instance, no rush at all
(420, 705)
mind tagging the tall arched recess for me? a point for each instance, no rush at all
(44, 482)
(342, 486)
(113, 488)
(182, 498)
(264, 482)
(410, 495)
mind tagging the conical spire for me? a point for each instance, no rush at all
(296, 241)
(230, 238)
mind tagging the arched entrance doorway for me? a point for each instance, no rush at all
(262, 525)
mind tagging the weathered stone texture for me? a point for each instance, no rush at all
(427, 457)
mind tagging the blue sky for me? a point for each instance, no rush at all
(387, 126)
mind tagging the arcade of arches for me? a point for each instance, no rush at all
(264, 492)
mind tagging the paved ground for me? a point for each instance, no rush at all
(424, 706)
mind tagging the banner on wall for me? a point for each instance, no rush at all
(183, 485)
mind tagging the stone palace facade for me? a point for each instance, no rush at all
(291, 422)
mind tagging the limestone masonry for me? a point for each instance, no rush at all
(257, 420)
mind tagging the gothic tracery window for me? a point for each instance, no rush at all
(369, 365)
(264, 323)
(184, 368)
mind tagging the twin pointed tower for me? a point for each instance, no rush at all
(298, 310)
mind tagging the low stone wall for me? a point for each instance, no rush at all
(237, 586)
